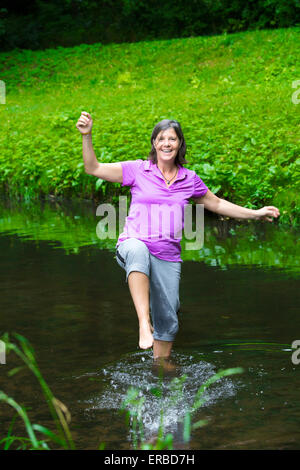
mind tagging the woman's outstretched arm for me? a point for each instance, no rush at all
(220, 206)
(106, 171)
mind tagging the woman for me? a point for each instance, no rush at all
(148, 249)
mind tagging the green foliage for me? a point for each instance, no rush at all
(232, 94)
(58, 410)
(67, 23)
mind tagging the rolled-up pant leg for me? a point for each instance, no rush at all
(133, 255)
(164, 298)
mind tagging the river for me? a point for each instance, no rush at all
(62, 289)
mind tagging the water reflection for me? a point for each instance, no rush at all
(71, 225)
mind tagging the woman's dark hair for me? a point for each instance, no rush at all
(162, 126)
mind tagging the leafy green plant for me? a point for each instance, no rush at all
(233, 100)
(59, 412)
(200, 399)
(69, 23)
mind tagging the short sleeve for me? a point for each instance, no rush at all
(129, 171)
(200, 189)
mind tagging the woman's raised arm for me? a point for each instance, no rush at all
(106, 171)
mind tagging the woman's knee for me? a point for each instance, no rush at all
(134, 246)
(135, 255)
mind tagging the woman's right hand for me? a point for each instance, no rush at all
(85, 123)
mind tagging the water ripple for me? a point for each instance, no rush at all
(138, 371)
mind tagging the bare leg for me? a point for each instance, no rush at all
(161, 356)
(162, 349)
(139, 288)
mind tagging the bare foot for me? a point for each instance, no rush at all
(163, 367)
(165, 363)
(146, 337)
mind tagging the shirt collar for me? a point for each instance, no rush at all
(150, 166)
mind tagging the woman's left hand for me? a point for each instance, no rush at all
(267, 213)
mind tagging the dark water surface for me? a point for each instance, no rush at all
(63, 290)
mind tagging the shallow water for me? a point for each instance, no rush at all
(137, 370)
(62, 289)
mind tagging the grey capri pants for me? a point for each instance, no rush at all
(164, 276)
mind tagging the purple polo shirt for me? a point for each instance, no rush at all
(156, 214)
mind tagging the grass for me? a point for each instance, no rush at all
(59, 412)
(232, 95)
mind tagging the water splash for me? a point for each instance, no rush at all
(137, 370)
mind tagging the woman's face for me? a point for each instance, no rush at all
(167, 145)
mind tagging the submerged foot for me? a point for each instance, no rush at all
(146, 336)
(164, 366)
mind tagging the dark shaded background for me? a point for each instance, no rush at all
(42, 24)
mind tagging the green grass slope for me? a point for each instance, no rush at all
(232, 94)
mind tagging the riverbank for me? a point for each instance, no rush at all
(232, 94)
